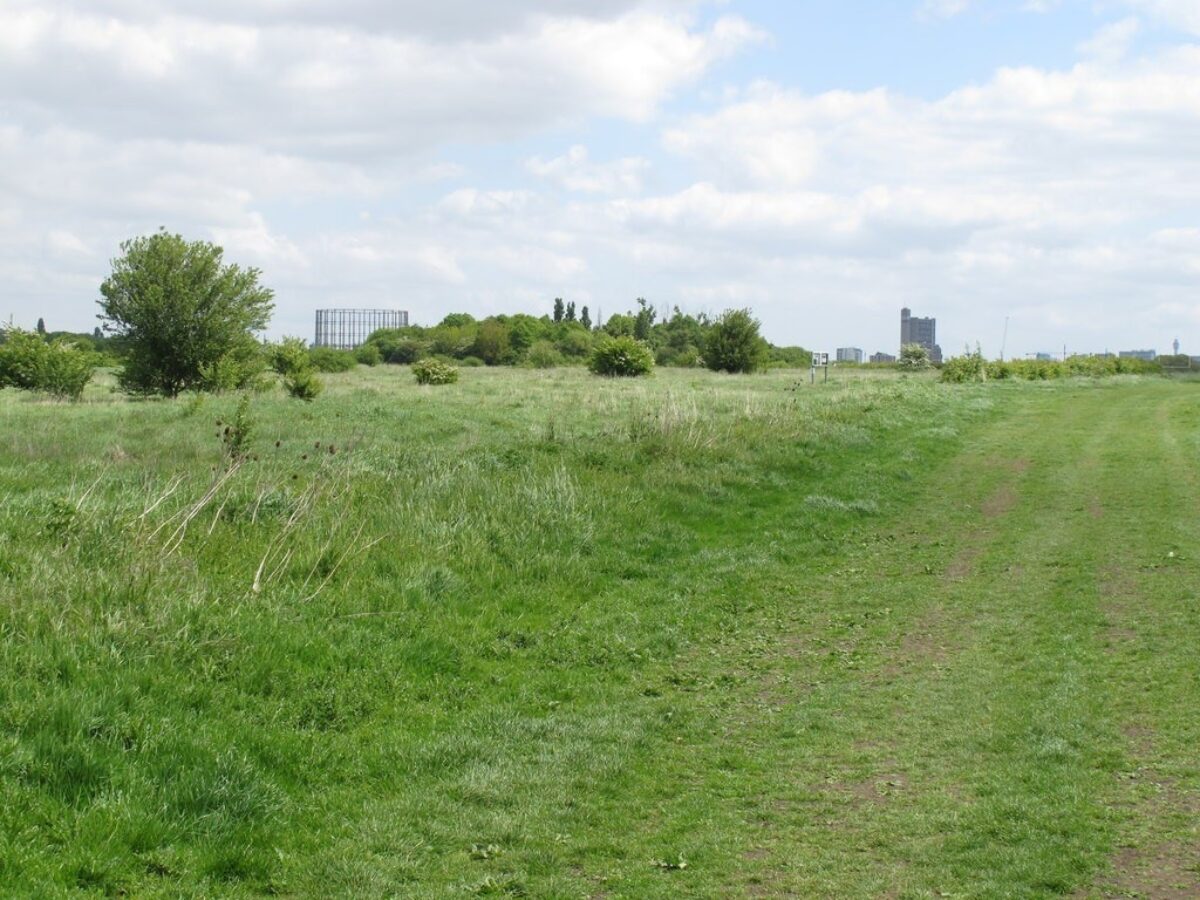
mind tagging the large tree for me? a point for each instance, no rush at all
(733, 343)
(185, 318)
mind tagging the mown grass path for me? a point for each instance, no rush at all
(997, 696)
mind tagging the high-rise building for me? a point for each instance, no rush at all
(914, 330)
(849, 354)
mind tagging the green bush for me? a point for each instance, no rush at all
(471, 362)
(734, 344)
(368, 355)
(303, 385)
(543, 355)
(913, 358)
(400, 351)
(621, 357)
(575, 343)
(288, 356)
(434, 371)
(965, 368)
(327, 359)
(684, 358)
(29, 363)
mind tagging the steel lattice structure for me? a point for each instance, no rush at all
(345, 329)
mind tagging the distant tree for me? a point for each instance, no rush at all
(493, 343)
(41, 326)
(733, 343)
(458, 320)
(913, 358)
(559, 309)
(183, 313)
(585, 319)
(570, 314)
(643, 322)
(97, 334)
(619, 326)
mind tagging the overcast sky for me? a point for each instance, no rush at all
(824, 162)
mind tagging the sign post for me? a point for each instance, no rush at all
(819, 361)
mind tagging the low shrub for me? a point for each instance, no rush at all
(288, 356)
(327, 359)
(303, 385)
(913, 358)
(368, 355)
(29, 363)
(968, 367)
(543, 355)
(401, 351)
(471, 362)
(434, 371)
(621, 357)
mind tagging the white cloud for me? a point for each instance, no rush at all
(1111, 43)
(575, 171)
(308, 139)
(345, 93)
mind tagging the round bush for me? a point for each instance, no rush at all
(327, 359)
(543, 355)
(434, 371)
(621, 357)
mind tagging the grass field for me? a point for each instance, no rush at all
(546, 635)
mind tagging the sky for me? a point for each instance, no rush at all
(823, 162)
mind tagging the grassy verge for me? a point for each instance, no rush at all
(548, 635)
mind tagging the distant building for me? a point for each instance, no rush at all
(346, 329)
(920, 331)
(1044, 357)
(882, 358)
(849, 354)
(1147, 355)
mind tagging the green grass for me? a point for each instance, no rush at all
(542, 634)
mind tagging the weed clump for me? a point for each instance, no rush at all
(235, 437)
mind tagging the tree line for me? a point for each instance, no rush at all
(176, 317)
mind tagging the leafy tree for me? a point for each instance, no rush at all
(493, 344)
(180, 311)
(41, 326)
(913, 358)
(643, 322)
(570, 314)
(559, 309)
(734, 344)
(619, 326)
(458, 320)
(97, 334)
(543, 355)
(575, 342)
(584, 319)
